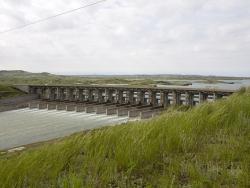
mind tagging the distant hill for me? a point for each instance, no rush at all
(10, 77)
(138, 76)
(22, 73)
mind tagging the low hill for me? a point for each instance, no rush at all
(23, 77)
(21, 73)
(207, 146)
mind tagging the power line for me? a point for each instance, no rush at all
(51, 17)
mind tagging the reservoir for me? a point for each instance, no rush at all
(222, 84)
(26, 126)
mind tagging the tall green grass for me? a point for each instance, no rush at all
(208, 146)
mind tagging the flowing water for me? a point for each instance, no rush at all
(26, 126)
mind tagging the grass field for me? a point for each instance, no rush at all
(207, 146)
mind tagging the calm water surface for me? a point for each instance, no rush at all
(237, 84)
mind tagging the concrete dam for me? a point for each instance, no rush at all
(142, 102)
(50, 112)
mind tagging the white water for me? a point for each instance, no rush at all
(26, 126)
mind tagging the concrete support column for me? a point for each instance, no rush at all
(59, 93)
(85, 95)
(80, 95)
(131, 97)
(90, 95)
(43, 93)
(64, 94)
(164, 99)
(141, 97)
(119, 96)
(99, 96)
(108, 95)
(69, 94)
(153, 100)
(49, 93)
(39, 93)
(189, 98)
(52, 93)
(75, 94)
(46, 93)
(202, 97)
(176, 98)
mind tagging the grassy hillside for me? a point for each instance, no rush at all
(208, 146)
(7, 91)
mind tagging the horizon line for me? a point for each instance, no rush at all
(124, 74)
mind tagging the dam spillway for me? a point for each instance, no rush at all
(27, 126)
(154, 96)
(59, 111)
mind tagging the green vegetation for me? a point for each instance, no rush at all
(207, 146)
(7, 91)
(22, 77)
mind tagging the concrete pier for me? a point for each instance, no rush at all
(134, 113)
(42, 106)
(80, 108)
(122, 112)
(70, 108)
(101, 110)
(33, 105)
(146, 114)
(52, 106)
(111, 111)
(61, 107)
(90, 109)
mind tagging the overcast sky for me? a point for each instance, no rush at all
(210, 37)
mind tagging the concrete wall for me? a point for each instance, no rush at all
(33, 105)
(101, 110)
(61, 107)
(134, 113)
(16, 102)
(80, 108)
(7, 108)
(24, 88)
(90, 109)
(147, 114)
(70, 108)
(122, 112)
(52, 106)
(111, 111)
(42, 106)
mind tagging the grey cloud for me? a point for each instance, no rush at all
(161, 36)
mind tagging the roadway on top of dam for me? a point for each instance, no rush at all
(145, 88)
